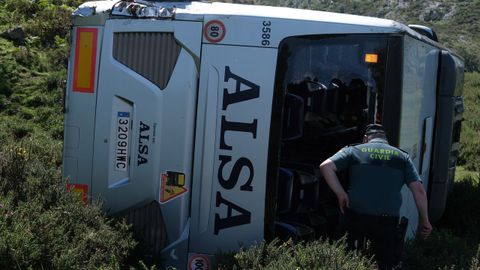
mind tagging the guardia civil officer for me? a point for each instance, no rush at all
(377, 172)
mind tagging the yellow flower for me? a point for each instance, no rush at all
(21, 152)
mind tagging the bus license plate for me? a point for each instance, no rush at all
(121, 146)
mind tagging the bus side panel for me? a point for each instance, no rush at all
(417, 114)
(229, 182)
(80, 101)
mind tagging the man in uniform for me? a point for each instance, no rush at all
(377, 172)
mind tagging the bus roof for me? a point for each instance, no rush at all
(195, 11)
(218, 8)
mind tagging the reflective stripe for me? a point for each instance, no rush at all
(85, 60)
(79, 189)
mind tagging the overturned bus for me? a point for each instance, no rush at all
(204, 123)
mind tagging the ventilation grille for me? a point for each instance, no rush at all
(149, 228)
(151, 54)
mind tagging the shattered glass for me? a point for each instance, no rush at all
(144, 10)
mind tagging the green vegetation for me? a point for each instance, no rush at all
(314, 255)
(33, 59)
(470, 147)
(43, 226)
(456, 237)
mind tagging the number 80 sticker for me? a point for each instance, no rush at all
(214, 31)
(199, 262)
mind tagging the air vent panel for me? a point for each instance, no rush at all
(150, 54)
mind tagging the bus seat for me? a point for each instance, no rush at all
(293, 117)
(298, 192)
(285, 191)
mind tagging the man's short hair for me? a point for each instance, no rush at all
(374, 129)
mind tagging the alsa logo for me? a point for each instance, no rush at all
(247, 130)
(143, 140)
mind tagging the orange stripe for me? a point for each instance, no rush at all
(85, 60)
(80, 189)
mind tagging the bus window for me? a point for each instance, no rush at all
(333, 87)
(339, 81)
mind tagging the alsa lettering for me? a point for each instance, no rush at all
(143, 141)
(248, 130)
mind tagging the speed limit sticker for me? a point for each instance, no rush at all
(214, 31)
(199, 262)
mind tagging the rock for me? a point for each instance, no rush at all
(16, 35)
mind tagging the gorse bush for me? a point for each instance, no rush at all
(42, 226)
(442, 248)
(318, 254)
(462, 213)
(454, 243)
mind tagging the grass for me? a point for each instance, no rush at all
(454, 243)
(461, 173)
(470, 143)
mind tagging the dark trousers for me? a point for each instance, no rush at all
(384, 234)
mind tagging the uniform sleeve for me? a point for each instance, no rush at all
(341, 158)
(411, 173)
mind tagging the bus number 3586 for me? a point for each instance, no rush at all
(266, 30)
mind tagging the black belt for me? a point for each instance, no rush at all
(374, 218)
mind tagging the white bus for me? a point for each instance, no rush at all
(204, 123)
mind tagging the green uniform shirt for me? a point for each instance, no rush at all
(377, 173)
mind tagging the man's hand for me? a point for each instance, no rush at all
(424, 228)
(420, 196)
(343, 202)
(328, 170)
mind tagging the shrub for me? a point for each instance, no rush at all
(476, 260)
(462, 214)
(454, 242)
(442, 249)
(42, 226)
(313, 255)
